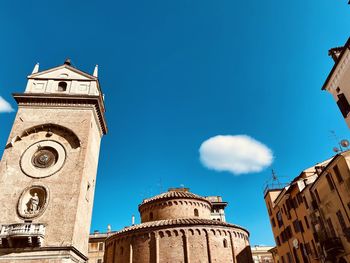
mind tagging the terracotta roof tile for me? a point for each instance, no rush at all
(174, 195)
(176, 223)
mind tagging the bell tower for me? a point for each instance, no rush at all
(48, 168)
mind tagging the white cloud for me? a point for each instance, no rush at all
(5, 106)
(238, 154)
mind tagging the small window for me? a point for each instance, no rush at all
(338, 174)
(330, 182)
(341, 220)
(273, 222)
(225, 242)
(93, 246)
(151, 216)
(331, 227)
(296, 226)
(100, 246)
(87, 192)
(196, 212)
(269, 209)
(278, 242)
(99, 261)
(62, 86)
(317, 196)
(343, 105)
(305, 202)
(306, 222)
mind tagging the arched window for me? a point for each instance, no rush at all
(62, 86)
(196, 212)
(151, 216)
(225, 242)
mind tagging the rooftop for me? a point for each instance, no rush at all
(174, 193)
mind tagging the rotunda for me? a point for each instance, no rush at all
(176, 227)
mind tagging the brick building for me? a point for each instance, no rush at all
(262, 254)
(310, 216)
(176, 226)
(97, 239)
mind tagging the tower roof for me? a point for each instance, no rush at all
(66, 66)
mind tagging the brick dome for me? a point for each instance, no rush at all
(173, 204)
(174, 193)
(176, 227)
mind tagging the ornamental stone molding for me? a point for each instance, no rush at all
(33, 201)
(334, 83)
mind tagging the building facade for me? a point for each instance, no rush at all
(217, 208)
(330, 201)
(338, 80)
(48, 168)
(97, 246)
(262, 254)
(310, 216)
(176, 226)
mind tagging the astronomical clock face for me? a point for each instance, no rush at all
(43, 158)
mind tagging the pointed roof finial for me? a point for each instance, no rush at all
(67, 62)
(36, 68)
(95, 74)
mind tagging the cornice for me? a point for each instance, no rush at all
(338, 68)
(174, 223)
(44, 99)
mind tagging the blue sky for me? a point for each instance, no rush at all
(176, 73)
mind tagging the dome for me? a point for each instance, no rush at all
(176, 226)
(173, 204)
(174, 193)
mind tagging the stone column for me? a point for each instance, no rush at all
(208, 245)
(114, 250)
(130, 251)
(185, 246)
(232, 248)
(157, 247)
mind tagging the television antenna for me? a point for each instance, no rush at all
(342, 144)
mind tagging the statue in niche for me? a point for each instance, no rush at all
(33, 204)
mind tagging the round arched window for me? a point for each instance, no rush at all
(196, 212)
(225, 242)
(62, 86)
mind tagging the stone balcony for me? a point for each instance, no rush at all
(22, 235)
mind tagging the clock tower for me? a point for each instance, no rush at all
(49, 165)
